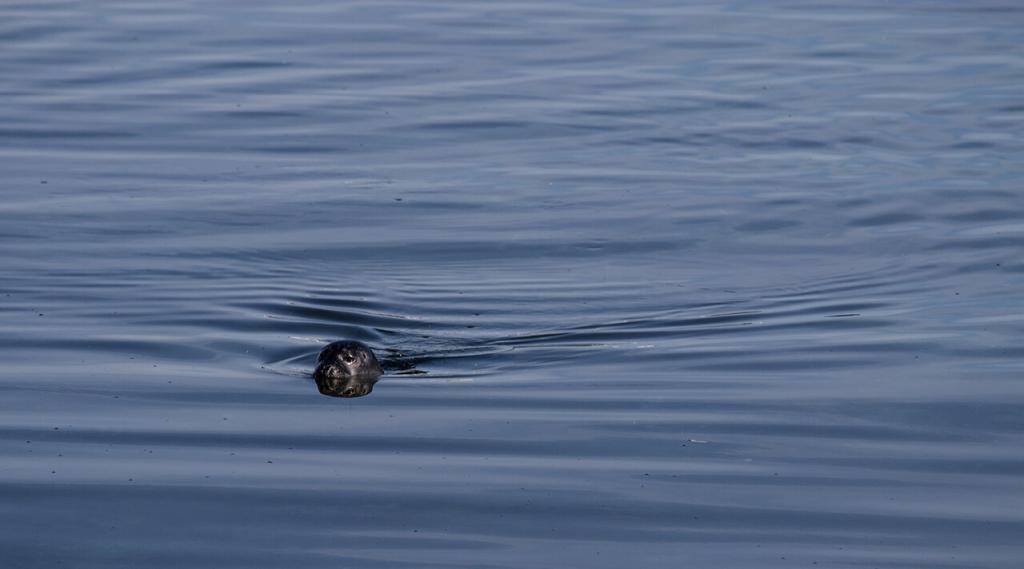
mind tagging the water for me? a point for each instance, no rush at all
(709, 284)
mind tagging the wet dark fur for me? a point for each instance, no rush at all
(346, 369)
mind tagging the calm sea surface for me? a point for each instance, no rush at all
(661, 284)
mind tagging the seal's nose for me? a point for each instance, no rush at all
(325, 370)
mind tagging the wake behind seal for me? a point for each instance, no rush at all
(346, 369)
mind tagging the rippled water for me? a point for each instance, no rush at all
(707, 284)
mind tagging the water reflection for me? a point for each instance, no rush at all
(354, 386)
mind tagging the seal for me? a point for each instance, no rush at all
(346, 369)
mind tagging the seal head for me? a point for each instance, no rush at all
(346, 369)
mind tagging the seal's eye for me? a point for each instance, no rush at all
(347, 358)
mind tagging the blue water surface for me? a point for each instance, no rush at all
(673, 284)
